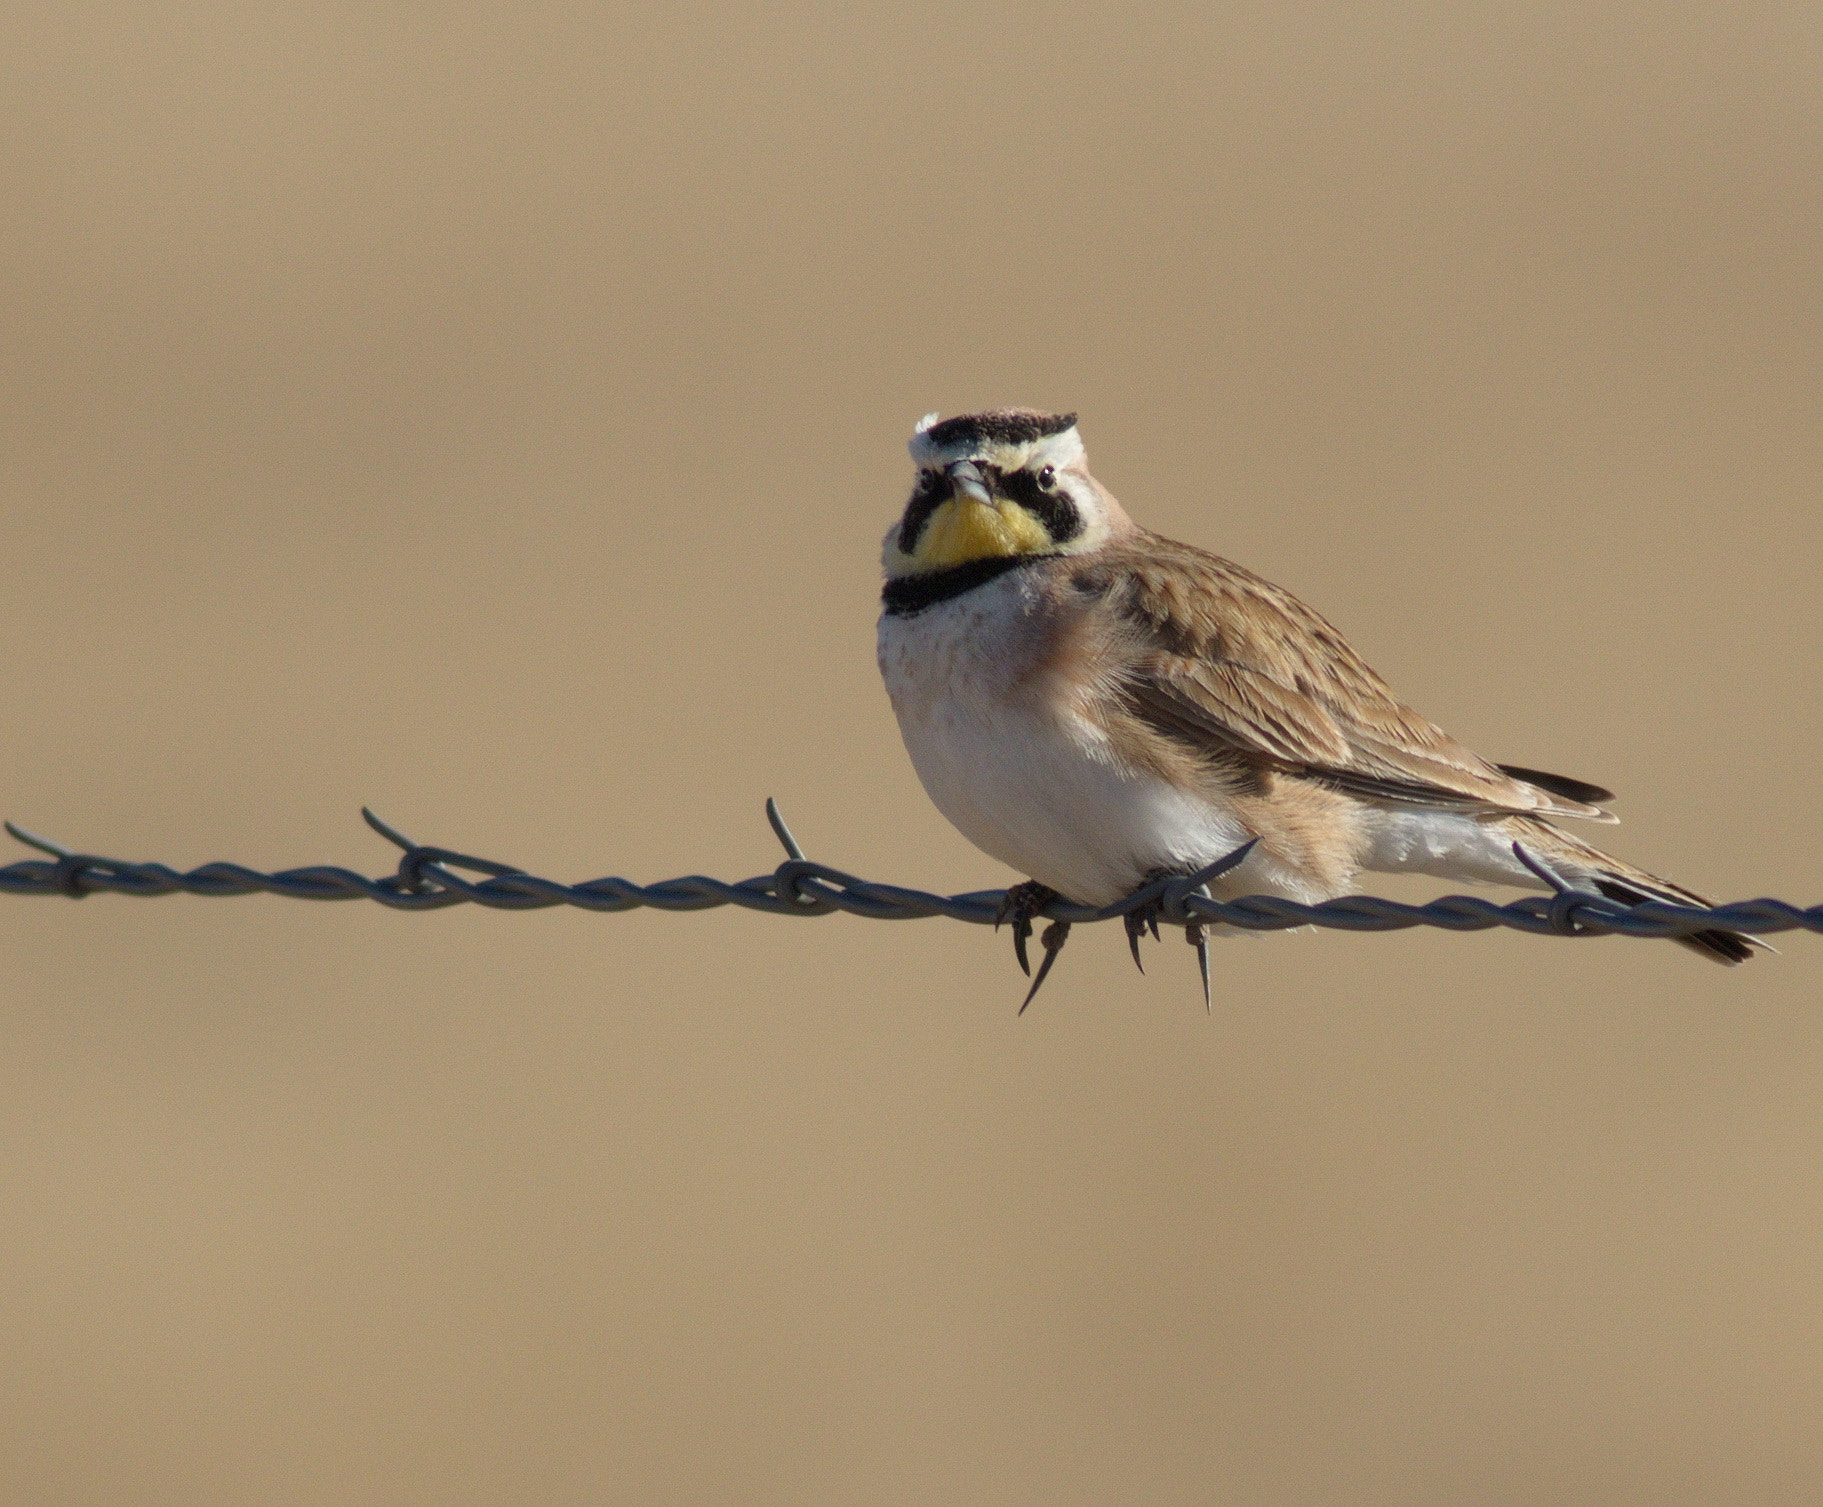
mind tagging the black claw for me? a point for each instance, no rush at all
(1055, 935)
(1136, 923)
(1021, 903)
(1145, 919)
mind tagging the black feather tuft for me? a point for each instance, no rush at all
(1001, 426)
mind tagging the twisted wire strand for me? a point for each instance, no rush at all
(428, 878)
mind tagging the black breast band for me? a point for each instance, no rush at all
(905, 595)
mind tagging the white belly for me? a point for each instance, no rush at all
(1019, 774)
(1041, 802)
(1448, 844)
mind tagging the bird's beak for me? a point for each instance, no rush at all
(967, 481)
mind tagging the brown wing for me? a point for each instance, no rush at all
(1210, 653)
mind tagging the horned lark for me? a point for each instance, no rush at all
(1098, 706)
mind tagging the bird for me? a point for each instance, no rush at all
(1102, 708)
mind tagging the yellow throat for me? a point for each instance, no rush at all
(965, 529)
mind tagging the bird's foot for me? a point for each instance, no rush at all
(1145, 918)
(1023, 903)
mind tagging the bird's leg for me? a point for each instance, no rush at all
(1022, 903)
(1144, 918)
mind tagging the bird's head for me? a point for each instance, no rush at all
(1006, 483)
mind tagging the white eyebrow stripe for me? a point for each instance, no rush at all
(1052, 450)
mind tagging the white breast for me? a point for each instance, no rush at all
(1019, 773)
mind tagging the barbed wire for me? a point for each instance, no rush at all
(427, 881)
(427, 878)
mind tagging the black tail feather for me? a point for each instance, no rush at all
(1728, 947)
(1559, 784)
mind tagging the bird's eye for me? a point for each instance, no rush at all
(1047, 478)
(927, 479)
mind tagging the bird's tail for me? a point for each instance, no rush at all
(1583, 867)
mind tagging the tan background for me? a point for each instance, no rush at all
(491, 413)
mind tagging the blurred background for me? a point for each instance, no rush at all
(491, 414)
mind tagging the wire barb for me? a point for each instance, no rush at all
(1055, 935)
(391, 834)
(1198, 938)
(42, 844)
(783, 832)
(1538, 867)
